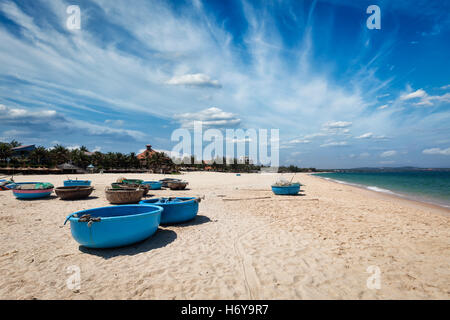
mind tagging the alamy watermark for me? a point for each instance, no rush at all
(73, 282)
(374, 21)
(249, 146)
(374, 280)
(73, 22)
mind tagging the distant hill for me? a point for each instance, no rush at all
(389, 169)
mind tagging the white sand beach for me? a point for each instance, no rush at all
(245, 243)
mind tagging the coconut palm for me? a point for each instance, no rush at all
(5, 151)
(60, 154)
(39, 156)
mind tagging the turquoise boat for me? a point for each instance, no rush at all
(291, 189)
(116, 226)
(76, 183)
(31, 190)
(153, 185)
(176, 210)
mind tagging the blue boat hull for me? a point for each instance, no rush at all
(36, 194)
(175, 212)
(289, 190)
(153, 185)
(74, 183)
(119, 225)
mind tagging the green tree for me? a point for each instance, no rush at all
(15, 144)
(5, 151)
(59, 154)
(39, 156)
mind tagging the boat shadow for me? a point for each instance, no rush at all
(291, 195)
(199, 219)
(160, 239)
(50, 197)
(88, 198)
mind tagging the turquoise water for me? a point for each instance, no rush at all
(429, 186)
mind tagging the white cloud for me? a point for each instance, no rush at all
(211, 117)
(383, 107)
(295, 141)
(50, 121)
(75, 147)
(413, 95)
(335, 144)
(389, 153)
(197, 79)
(337, 124)
(367, 135)
(370, 135)
(424, 99)
(445, 152)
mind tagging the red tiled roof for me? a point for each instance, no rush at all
(145, 154)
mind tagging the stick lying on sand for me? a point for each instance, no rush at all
(239, 199)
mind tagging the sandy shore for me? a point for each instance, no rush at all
(314, 246)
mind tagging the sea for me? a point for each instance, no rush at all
(431, 186)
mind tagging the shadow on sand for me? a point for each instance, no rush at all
(50, 197)
(88, 198)
(291, 195)
(160, 239)
(194, 222)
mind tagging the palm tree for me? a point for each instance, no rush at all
(39, 155)
(5, 151)
(15, 144)
(60, 154)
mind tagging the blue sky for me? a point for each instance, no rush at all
(342, 95)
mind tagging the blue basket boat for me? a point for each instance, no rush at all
(287, 190)
(29, 193)
(176, 210)
(153, 185)
(76, 183)
(117, 226)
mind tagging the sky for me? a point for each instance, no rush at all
(342, 95)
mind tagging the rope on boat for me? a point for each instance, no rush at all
(87, 218)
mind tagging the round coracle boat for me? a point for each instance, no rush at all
(73, 183)
(153, 185)
(177, 185)
(123, 186)
(109, 227)
(176, 210)
(289, 189)
(32, 190)
(165, 181)
(74, 193)
(124, 196)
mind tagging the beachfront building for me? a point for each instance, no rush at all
(156, 162)
(148, 152)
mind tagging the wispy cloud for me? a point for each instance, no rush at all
(198, 79)
(389, 153)
(211, 117)
(433, 151)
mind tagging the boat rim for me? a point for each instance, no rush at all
(189, 200)
(289, 186)
(158, 210)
